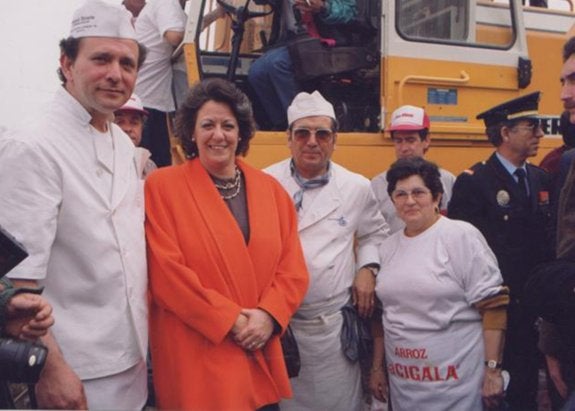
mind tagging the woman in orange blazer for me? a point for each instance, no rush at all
(225, 264)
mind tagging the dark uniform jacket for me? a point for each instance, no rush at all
(518, 230)
(566, 213)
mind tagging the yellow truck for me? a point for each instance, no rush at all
(455, 58)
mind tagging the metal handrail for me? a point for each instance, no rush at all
(413, 79)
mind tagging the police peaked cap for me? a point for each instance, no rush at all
(520, 107)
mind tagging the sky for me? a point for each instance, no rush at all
(29, 35)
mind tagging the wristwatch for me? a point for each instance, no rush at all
(493, 365)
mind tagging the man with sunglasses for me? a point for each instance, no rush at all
(409, 130)
(507, 199)
(340, 228)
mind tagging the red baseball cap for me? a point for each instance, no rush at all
(409, 118)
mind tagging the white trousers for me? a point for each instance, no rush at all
(127, 390)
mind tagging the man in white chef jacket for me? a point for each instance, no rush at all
(70, 192)
(336, 209)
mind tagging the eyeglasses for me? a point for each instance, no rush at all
(322, 135)
(532, 126)
(416, 194)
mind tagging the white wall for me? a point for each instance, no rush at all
(29, 35)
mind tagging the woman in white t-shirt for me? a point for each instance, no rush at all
(444, 308)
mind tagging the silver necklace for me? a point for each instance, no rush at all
(235, 185)
(228, 185)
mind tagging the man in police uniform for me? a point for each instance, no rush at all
(507, 199)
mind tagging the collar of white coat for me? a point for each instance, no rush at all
(328, 199)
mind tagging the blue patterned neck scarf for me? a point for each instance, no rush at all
(306, 184)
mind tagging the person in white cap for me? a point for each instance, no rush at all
(160, 27)
(75, 201)
(131, 118)
(134, 7)
(340, 229)
(409, 130)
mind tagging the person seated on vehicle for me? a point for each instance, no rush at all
(272, 75)
(131, 118)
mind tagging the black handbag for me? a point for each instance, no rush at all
(291, 353)
(356, 341)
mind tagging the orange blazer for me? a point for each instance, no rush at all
(202, 273)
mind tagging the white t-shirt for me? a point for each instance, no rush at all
(379, 186)
(433, 335)
(154, 84)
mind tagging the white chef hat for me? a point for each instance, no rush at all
(307, 105)
(95, 18)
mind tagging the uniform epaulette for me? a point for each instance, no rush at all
(475, 168)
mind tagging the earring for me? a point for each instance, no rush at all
(436, 210)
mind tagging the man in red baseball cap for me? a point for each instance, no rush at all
(410, 135)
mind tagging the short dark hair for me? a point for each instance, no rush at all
(415, 166)
(220, 91)
(423, 133)
(568, 48)
(494, 132)
(70, 46)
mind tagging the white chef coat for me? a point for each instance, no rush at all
(85, 238)
(154, 83)
(379, 186)
(332, 217)
(433, 335)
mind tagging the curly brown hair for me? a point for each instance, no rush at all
(220, 91)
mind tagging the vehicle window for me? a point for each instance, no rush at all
(218, 29)
(482, 23)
